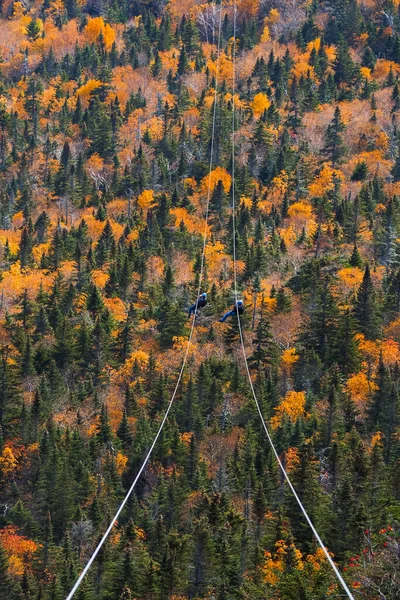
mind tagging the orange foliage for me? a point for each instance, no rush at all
(99, 278)
(86, 90)
(146, 199)
(292, 406)
(95, 27)
(214, 256)
(365, 73)
(274, 565)
(19, 548)
(15, 281)
(116, 307)
(360, 388)
(191, 222)
(302, 68)
(351, 277)
(124, 375)
(265, 36)
(324, 182)
(223, 68)
(372, 350)
(218, 174)
(289, 356)
(300, 209)
(292, 459)
(95, 167)
(12, 237)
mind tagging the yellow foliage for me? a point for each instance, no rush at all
(279, 186)
(99, 278)
(8, 462)
(214, 256)
(365, 72)
(87, 89)
(324, 182)
(260, 104)
(288, 234)
(238, 102)
(389, 350)
(302, 68)
(360, 388)
(223, 68)
(265, 36)
(20, 550)
(139, 356)
(186, 437)
(120, 462)
(18, 219)
(315, 44)
(94, 164)
(273, 16)
(12, 237)
(18, 10)
(15, 281)
(146, 199)
(180, 342)
(292, 406)
(275, 564)
(351, 276)
(301, 210)
(289, 356)
(217, 175)
(317, 560)
(95, 27)
(116, 307)
(246, 201)
(16, 566)
(393, 330)
(376, 439)
(192, 224)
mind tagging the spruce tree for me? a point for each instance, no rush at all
(366, 310)
(334, 146)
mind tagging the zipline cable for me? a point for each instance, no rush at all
(286, 476)
(186, 355)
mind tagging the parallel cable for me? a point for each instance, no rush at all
(186, 355)
(286, 476)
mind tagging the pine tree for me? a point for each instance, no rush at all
(264, 353)
(343, 66)
(33, 29)
(172, 323)
(25, 255)
(6, 585)
(366, 309)
(334, 146)
(355, 258)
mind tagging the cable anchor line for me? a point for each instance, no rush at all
(186, 355)
(335, 569)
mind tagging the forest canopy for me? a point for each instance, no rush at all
(116, 132)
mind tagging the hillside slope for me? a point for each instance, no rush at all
(106, 128)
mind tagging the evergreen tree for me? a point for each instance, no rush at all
(366, 310)
(334, 146)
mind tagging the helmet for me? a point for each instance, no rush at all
(204, 295)
(240, 302)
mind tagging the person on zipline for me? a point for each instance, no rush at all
(201, 302)
(237, 308)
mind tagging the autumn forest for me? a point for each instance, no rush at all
(151, 150)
